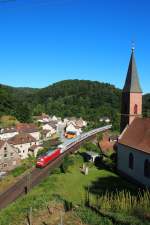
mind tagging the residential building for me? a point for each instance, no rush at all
(46, 134)
(72, 128)
(33, 150)
(29, 128)
(9, 156)
(23, 142)
(6, 133)
(51, 126)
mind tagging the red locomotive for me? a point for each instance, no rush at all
(47, 157)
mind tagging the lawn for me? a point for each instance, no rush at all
(71, 186)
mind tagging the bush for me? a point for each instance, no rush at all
(67, 162)
(19, 170)
(89, 146)
(41, 151)
(26, 164)
(56, 171)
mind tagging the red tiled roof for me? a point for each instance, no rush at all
(137, 135)
(21, 138)
(26, 127)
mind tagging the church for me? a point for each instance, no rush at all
(133, 153)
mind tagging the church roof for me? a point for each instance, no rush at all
(132, 80)
(137, 135)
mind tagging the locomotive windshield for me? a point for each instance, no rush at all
(47, 153)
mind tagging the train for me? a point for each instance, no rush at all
(44, 159)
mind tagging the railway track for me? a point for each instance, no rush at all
(28, 181)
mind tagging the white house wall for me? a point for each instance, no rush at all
(23, 149)
(36, 135)
(6, 136)
(139, 158)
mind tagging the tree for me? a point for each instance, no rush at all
(89, 146)
(67, 161)
(23, 113)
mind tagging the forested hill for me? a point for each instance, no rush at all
(89, 99)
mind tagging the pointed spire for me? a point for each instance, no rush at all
(132, 80)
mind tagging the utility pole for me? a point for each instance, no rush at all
(28, 183)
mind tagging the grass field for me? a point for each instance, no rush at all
(71, 186)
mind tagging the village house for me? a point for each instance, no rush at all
(107, 143)
(54, 118)
(133, 150)
(33, 150)
(43, 118)
(23, 142)
(9, 156)
(51, 126)
(29, 128)
(6, 133)
(81, 123)
(46, 134)
(73, 128)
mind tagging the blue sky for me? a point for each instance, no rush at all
(45, 41)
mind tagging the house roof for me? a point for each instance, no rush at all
(45, 131)
(26, 127)
(8, 130)
(132, 80)
(79, 123)
(53, 124)
(21, 138)
(137, 135)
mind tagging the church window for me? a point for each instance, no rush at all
(147, 168)
(131, 161)
(135, 108)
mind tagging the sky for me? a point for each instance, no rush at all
(45, 41)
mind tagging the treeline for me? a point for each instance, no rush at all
(81, 98)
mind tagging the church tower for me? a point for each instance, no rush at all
(131, 95)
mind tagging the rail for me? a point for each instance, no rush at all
(22, 186)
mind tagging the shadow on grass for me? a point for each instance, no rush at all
(111, 184)
(85, 156)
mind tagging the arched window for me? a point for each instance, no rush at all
(147, 168)
(135, 109)
(131, 161)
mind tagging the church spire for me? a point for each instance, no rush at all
(132, 84)
(131, 96)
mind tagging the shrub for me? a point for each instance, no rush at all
(67, 162)
(89, 146)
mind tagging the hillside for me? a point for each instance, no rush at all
(89, 99)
